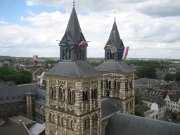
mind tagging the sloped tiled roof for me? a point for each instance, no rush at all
(16, 93)
(73, 69)
(114, 66)
(107, 108)
(13, 129)
(123, 124)
(37, 129)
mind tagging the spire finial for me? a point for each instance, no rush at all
(73, 3)
(114, 19)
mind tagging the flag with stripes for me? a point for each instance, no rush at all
(81, 44)
(125, 53)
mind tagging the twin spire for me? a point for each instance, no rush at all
(73, 33)
(73, 37)
(114, 38)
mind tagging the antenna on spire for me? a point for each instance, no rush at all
(114, 19)
(73, 3)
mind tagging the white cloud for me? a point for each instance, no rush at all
(160, 8)
(2, 22)
(147, 36)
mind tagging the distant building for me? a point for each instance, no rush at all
(27, 100)
(156, 111)
(35, 57)
(160, 73)
(21, 126)
(173, 101)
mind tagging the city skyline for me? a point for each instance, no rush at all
(150, 29)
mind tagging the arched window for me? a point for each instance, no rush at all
(112, 56)
(108, 54)
(107, 84)
(72, 124)
(66, 53)
(82, 53)
(95, 119)
(71, 96)
(52, 118)
(84, 124)
(126, 85)
(130, 84)
(63, 95)
(107, 93)
(50, 115)
(92, 94)
(118, 85)
(51, 92)
(60, 96)
(87, 122)
(62, 121)
(68, 124)
(85, 95)
(101, 84)
(114, 85)
(59, 120)
(95, 93)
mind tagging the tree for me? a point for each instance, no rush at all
(178, 76)
(169, 77)
(140, 109)
(146, 72)
(19, 77)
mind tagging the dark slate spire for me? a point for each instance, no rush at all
(69, 45)
(113, 54)
(114, 38)
(73, 33)
(73, 52)
(114, 45)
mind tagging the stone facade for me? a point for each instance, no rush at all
(73, 106)
(173, 102)
(12, 109)
(119, 88)
(75, 89)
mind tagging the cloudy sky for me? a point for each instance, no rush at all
(151, 28)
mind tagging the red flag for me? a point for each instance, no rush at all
(81, 44)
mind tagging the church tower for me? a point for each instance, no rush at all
(117, 81)
(73, 93)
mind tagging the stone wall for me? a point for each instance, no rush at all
(73, 106)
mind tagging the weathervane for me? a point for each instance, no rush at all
(73, 3)
(114, 18)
